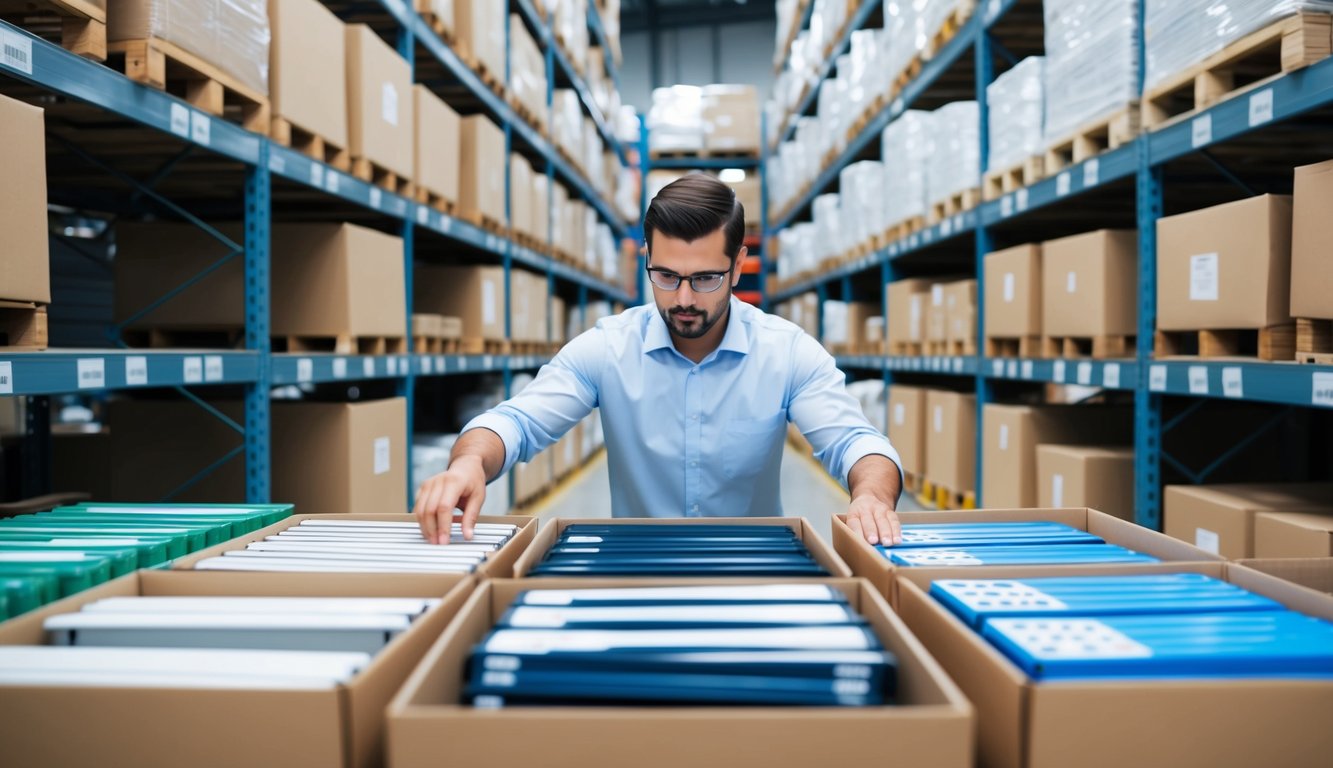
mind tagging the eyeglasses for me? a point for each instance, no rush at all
(701, 283)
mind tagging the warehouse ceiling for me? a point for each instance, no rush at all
(643, 15)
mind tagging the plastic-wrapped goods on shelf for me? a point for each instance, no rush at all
(527, 69)
(232, 35)
(900, 36)
(828, 224)
(591, 152)
(832, 117)
(571, 28)
(675, 121)
(773, 115)
(786, 17)
(731, 118)
(826, 21)
(1016, 111)
(931, 16)
(954, 162)
(862, 186)
(1181, 33)
(1091, 62)
(567, 121)
(905, 146)
(871, 394)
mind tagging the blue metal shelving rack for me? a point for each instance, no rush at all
(59, 371)
(1139, 164)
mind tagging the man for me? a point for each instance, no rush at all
(695, 396)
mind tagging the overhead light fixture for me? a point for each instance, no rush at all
(732, 175)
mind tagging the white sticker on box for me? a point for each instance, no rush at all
(136, 371)
(381, 455)
(16, 51)
(1201, 131)
(1111, 376)
(340, 368)
(389, 104)
(193, 370)
(1057, 490)
(180, 120)
(1204, 277)
(213, 368)
(1027, 369)
(305, 369)
(899, 414)
(488, 312)
(92, 372)
(1071, 282)
(1198, 377)
(1261, 107)
(914, 317)
(1021, 200)
(1085, 374)
(939, 418)
(201, 128)
(1008, 287)
(1321, 389)
(937, 295)
(1004, 437)
(368, 367)
(1012, 371)
(1091, 173)
(1232, 382)
(316, 175)
(376, 197)
(1157, 378)
(1207, 540)
(1062, 183)
(1058, 371)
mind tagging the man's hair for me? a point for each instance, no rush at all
(695, 206)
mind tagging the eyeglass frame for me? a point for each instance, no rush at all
(691, 278)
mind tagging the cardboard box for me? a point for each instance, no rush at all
(521, 213)
(960, 313)
(152, 727)
(931, 724)
(951, 449)
(474, 294)
(1086, 476)
(380, 125)
(1311, 232)
(845, 321)
(748, 195)
(1220, 518)
(1293, 534)
(552, 529)
(1090, 284)
(482, 181)
(339, 458)
(907, 300)
(1106, 724)
(541, 207)
(479, 27)
(907, 427)
(1311, 572)
(1225, 267)
(1011, 434)
(438, 141)
(937, 318)
(527, 69)
(25, 262)
(531, 478)
(308, 68)
(867, 562)
(1013, 293)
(498, 565)
(231, 37)
(337, 280)
(159, 445)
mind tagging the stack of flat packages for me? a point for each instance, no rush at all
(769, 645)
(1016, 111)
(1091, 62)
(362, 546)
(954, 162)
(905, 146)
(678, 550)
(1021, 543)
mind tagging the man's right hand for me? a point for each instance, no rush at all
(462, 486)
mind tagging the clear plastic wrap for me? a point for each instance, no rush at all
(1016, 113)
(828, 225)
(675, 121)
(1181, 33)
(527, 68)
(904, 147)
(567, 121)
(900, 32)
(232, 35)
(862, 192)
(955, 159)
(1091, 62)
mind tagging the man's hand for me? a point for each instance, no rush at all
(462, 486)
(875, 520)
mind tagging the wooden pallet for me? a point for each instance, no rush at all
(1096, 347)
(484, 221)
(996, 184)
(532, 243)
(433, 20)
(166, 66)
(373, 173)
(78, 26)
(905, 348)
(185, 338)
(23, 326)
(1246, 64)
(1276, 342)
(528, 116)
(342, 344)
(425, 345)
(904, 229)
(954, 204)
(960, 347)
(1092, 139)
(474, 346)
(1314, 341)
(309, 143)
(1021, 346)
(936, 348)
(438, 202)
(949, 29)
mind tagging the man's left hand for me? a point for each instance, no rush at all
(875, 520)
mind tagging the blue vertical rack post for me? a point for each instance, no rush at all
(985, 75)
(258, 211)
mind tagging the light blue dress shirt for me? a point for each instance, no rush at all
(687, 440)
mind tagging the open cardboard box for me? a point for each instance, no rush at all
(1169, 723)
(499, 565)
(930, 726)
(869, 563)
(170, 727)
(1313, 572)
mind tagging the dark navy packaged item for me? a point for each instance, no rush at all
(587, 549)
(938, 535)
(746, 594)
(1053, 554)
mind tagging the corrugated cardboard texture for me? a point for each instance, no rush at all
(307, 68)
(1011, 435)
(907, 426)
(1013, 292)
(1228, 266)
(908, 300)
(379, 102)
(1311, 232)
(1090, 284)
(25, 270)
(337, 279)
(1098, 478)
(520, 209)
(1311, 572)
(1223, 515)
(437, 140)
(340, 458)
(951, 428)
(960, 311)
(481, 182)
(930, 726)
(474, 294)
(1294, 534)
(480, 27)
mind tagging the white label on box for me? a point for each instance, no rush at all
(1058, 371)
(368, 367)
(1085, 374)
(316, 175)
(381, 455)
(1008, 287)
(1004, 437)
(1027, 369)
(1232, 382)
(1198, 376)
(305, 369)
(1091, 173)
(997, 368)
(1322, 389)
(427, 365)
(392, 363)
(1261, 107)
(180, 120)
(201, 128)
(331, 181)
(1203, 277)
(136, 371)
(1012, 371)
(423, 215)
(389, 104)
(1021, 200)
(1207, 540)
(937, 295)
(1111, 376)
(1201, 131)
(376, 197)
(340, 368)
(213, 368)
(1071, 282)
(1007, 206)
(488, 313)
(6, 378)
(899, 413)
(1057, 490)
(193, 370)
(939, 418)
(1062, 183)
(914, 317)
(17, 51)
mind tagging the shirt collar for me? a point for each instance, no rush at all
(735, 339)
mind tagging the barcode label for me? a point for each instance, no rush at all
(136, 371)
(213, 368)
(1233, 382)
(368, 367)
(1321, 389)
(6, 378)
(1062, 183)
(1058, 372)
(1111, 376)
(180, 120)
(305, 369)
(1198, 380)
(1085, 374)
(201, 128)
(1157, 378)
(17, 51)
(1012, 370)
(1201, 131)
(1091, 172)
(340, 368)
(1261, 107)
(193, 370)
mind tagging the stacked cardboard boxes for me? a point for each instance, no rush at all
(731, 119)
(474, 294)
(25, 272)
(1013, 320)
(527, 72)
(479, 29)
(307, 74)
(436, 150)
(1311, 269)
(1223, 518)
(482, 182)
(1013, 436)
(951, 450)
(909, 301)
(380, 118)
(1089, 294)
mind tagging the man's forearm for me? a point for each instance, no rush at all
(875, 476)
(480, 444)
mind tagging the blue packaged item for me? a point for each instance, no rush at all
(992, 534)
(1054, 554)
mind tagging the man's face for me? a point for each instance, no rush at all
(688, 313)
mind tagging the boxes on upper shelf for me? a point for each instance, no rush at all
(481, 183)
(1086, 476)
(337, 281)
(527, 72)
(25, 264)
(307, 70)
(479, 27)
(1311, 232)
(232, 37)
(951, 452)
(1013, 300)
(1011, 434)
(907, 430)
(340, 458)
(908, 300)
(379, 104)
(1221, 518)
(960, 317)
(475, 294)
(437, 146)
(1294, 534)
(1089, 294)
(521, 214)
(731, 119)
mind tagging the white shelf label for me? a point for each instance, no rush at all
(958, 365)
(1058, 372)
(136, 371)
(1321, 389)
(193, 370)
(423, 215)
(331, 181)
(376, 197)
(316, 175)
(486, 362)
(1201, 131)
(1085, 374)
(462, 363)
(213, 368)
(1012, 369)
(427, 365)
(277, 163)
(340, 368)
(201, 128)
(1007, 206)
(446, 224)
(1021, 200)
(1198, 377)
(1027, 369)
(1111, 376)
(6, 378)
(180, 120)
(993, 9)
(1062, 184)
(439, 363)
(1092, 171)
(305, 369)
(1232, 383)
(1157, 378)
(1261, 107)
(997, 368)
(946, 227)
(16, 51)
(368, 367)
(393, 366)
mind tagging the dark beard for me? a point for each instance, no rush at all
(698, 327)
